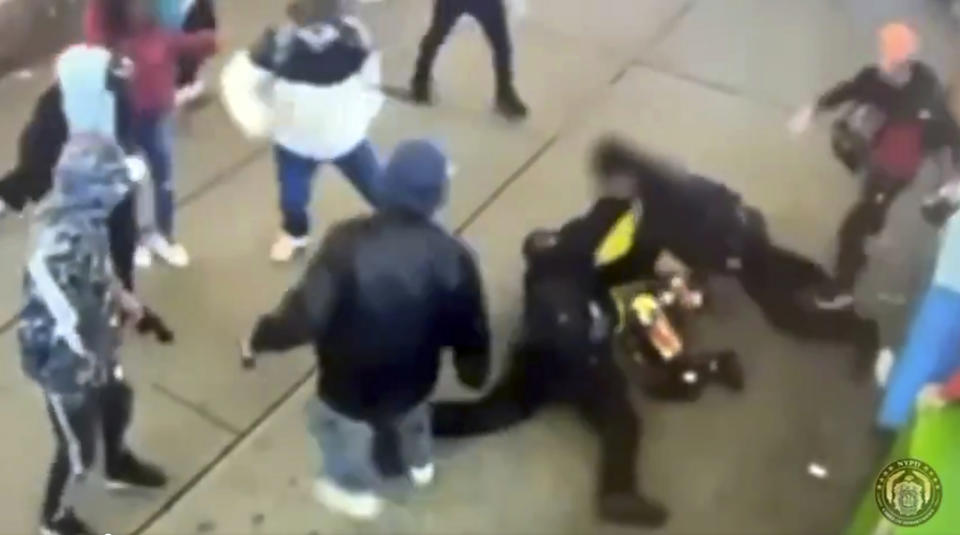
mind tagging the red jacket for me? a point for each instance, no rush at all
(155, 52)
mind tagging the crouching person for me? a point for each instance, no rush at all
(69, 325)
(380, 300)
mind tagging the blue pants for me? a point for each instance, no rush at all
(346, 445)
(930, 354)
(295, 172)
(154, 136)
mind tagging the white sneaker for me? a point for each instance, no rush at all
(286, 247)
(423, 475)
(359, 505)
(883, 366)
(172, 253)
(142, 257)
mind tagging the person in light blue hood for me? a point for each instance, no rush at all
(380, 300)
(68, 329)
(931, 352)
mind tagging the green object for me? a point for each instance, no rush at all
(936, 441)
(867, 515)
(934, 438)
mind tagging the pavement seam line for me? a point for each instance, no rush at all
(203, 413)
(232, 445)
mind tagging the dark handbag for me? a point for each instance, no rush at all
(849, 146)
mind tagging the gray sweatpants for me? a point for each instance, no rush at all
(346, 445)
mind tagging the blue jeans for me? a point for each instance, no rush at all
(154, 136)
(346, 445)
(930, 354)
(295, 172)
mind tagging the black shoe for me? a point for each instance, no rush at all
(510, 106)
(130, 472)
(65, 524)
(420, 92)
(630, 509)
(727, 370)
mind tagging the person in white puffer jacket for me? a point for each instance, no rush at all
(313, 88)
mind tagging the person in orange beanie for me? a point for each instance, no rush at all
(899, 111)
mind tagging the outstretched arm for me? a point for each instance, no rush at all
(304, 310)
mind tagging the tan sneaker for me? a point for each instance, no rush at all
(286, 247)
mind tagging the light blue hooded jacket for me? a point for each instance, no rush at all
(68, 325)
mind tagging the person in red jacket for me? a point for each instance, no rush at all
(133, 28)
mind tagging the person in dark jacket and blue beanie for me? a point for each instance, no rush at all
(379, 301)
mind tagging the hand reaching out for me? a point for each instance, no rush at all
(801, 120)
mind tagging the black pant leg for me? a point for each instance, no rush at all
(123, 240)
(515, 398)
(75, 423)
(445, 15)
(604, 401)
(777, 281)
(492, 16)
(115, 405)
(866, 219)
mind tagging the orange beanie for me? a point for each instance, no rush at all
(898, 43)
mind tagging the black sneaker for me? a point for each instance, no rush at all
(129, 472)
(511, 107)
(65, 524)
(633, 510)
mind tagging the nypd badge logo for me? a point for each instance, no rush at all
(908, 492)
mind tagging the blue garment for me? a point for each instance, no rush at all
(930, 354)
(416, 178)
(67, 331)
(346, 444)
(155, 137)
(169, 13)
(360, 166)
(89, 105)
(947, 274)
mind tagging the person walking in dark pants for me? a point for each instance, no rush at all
(902, 117)
(492, 16)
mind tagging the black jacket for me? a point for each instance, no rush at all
(380, 300)
(921, 99)
(700, 221)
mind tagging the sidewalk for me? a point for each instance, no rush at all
(711, 81)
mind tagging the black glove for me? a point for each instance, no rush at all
(153, 324)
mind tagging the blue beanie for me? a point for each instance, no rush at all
(415, 178)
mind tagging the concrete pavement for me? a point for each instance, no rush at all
(710, 81)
